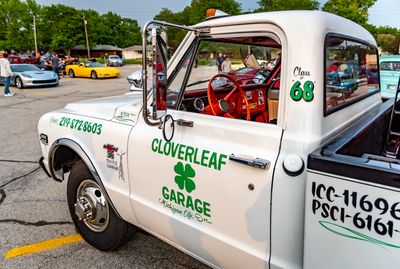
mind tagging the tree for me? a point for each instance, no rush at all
(196, 11)
(15, 29)
(276, 5)
(389, 43)
(193, 14)
(61, 27)
(355, 10)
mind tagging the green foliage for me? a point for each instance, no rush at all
(196, 11)
(389, 43)
(61, 27)
(193, 14)
(276, 5)
(355, 10)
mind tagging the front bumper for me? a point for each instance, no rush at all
(115, 64)
(40, 83)
(109, 75)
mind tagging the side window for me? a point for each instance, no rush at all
(386, 66)
(351, 72)
(175, 87)
(232, 77)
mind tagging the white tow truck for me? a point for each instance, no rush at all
(289, 159)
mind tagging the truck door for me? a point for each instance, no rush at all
(208, 189)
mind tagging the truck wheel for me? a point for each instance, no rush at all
(92, 214)
(71, 73)
(18, 83)
(93, 75)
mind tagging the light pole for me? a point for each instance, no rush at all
(34, 33)
(87, 39)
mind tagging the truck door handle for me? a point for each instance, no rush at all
(257, 162)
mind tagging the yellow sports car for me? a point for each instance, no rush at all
(92, 70)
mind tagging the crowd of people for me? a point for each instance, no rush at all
(47, 61)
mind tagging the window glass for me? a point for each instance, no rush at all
(390, 66)
(253, 63)
(386, 66)
(351, 72)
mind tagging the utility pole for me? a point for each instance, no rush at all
(34, 33)
(87, 39)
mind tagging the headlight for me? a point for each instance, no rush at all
(25, 75)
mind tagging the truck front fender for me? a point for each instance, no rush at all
(63, 154)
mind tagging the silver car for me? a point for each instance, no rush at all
(29, 75)
(114, 60)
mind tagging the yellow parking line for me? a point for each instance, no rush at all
(43, 246)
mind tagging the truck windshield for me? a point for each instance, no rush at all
(351, 72)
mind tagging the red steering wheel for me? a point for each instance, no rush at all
(223, 107)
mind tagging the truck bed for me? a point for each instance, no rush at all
(357, 152)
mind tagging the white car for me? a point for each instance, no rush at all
(114, 60)
(29, 75)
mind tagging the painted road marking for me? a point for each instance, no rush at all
(43, 246)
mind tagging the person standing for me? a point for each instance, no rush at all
(6, 72)
(226, 66)
(55, 64)
(220, 60)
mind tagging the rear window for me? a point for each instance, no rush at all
(390, 66)
(351, 72)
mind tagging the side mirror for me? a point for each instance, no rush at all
(159, 67)
(135, 79)
(156, 33)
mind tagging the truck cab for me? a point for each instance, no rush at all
(215, 163)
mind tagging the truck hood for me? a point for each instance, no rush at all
(106, 108)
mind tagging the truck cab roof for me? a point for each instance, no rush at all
(295, 23)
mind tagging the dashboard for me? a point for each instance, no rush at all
(196, 101)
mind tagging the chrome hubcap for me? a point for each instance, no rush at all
(91, 206)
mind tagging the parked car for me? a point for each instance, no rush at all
(14, 59)
(92, 70)
(29, 59)
(114, 60)
(135, 79)
(389, 74)
(29, 75)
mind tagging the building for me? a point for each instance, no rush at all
(134, 52)
(97, 52)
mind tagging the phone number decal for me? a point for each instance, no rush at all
(341, 209)
(81, 125)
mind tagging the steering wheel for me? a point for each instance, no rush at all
(222, 107)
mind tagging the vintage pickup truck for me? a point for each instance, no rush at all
(294, 166)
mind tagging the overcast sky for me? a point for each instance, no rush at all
(384, 12)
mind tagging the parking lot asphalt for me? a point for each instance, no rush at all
(33, 207)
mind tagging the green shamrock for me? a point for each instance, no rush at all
(184, 177)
